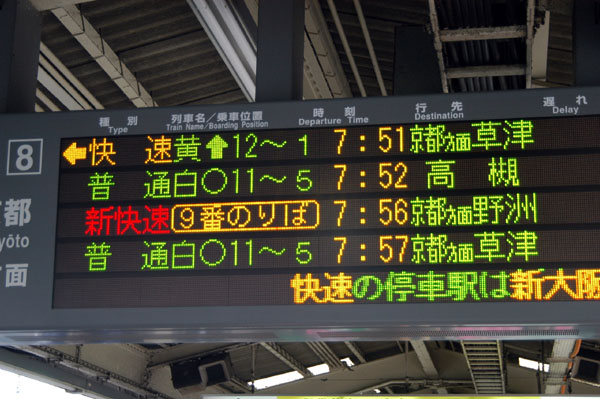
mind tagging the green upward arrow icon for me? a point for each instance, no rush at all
(216, 146)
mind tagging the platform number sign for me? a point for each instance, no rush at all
(24, 157)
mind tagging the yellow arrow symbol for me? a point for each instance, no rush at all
(74, 153)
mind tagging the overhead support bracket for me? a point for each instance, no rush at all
(280, 52)
(20, 31)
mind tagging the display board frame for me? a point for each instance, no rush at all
(32, 173)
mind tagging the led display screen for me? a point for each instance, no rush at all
(486, 210)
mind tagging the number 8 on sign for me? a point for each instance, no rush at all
(24, 157)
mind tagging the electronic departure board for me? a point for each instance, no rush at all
(485, 210)
(311, 210)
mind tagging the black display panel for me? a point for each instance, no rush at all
(486, 210)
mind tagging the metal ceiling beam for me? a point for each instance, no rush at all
(529, 42)
(24, 364)
(231, 40)
(407, 381)
(485, 70)
(324, 76)
(324, 352)
(319, 43)
(314, 83)
(559, 365)
(346, 45)
(286, 358)
(356, 351)
(43, 5)
(403, 346)
(424, 358)
(359, 378)
(487, 33)
(427, 363)
(239, 384)
(539, 52)
(83, 94)
(58, 91)
(590, 383)
(45, 101)
(58, 80)
(372, 55)
(437, 44)
(83, 31)
(62, 84)
(108, 380)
